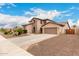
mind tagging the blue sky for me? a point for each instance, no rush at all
(59, 12)
(21, 7)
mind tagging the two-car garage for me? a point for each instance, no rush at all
(51, 28)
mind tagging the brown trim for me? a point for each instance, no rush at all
(34, 18)
(44, 21)
(48, 20)
(27, 24)
(40, 19)
(53, 23)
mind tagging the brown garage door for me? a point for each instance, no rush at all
(51, 30)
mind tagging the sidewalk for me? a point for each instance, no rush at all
(9, 49)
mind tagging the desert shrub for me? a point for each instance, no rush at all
(10, 32)
(5, 33)
(20, 31)
(2, 30)
(16, 34)
(24, 31)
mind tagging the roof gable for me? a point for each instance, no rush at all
(54, 23)
(40, 19)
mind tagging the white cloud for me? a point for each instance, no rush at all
(28, 13)
(11, 21)
(69, 14)
(66, 11)
(9, 26)
(72, 7)
(2, 4)
(43, 14)
(77, 23)
(12, 4)
(8, 5)
(71, 23)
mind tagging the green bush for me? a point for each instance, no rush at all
(24, 31)
(16, 32)
(5, 33)
(20, 31)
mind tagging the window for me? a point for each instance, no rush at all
(34, 21)
(44, 21)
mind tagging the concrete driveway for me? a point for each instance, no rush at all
(62, 45)
(7, 48)
(26, 41)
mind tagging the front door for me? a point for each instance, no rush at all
(40, 30)
(33, 31)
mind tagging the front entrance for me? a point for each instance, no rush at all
(40, 30)
(33, 30)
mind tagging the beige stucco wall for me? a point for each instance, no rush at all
(38, 26)
(65, 27)
(77, 31)
(29, 29)
(60, 30)
(50, 25)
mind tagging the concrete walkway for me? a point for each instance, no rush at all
(7, 48)
(26, 41)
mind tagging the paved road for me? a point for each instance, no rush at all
(7, 48)
(63, 45)
(26, 41)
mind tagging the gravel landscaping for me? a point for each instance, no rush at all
(63, 45)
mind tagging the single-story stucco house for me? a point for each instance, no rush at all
(45, 26)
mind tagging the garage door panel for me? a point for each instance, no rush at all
(51, 30)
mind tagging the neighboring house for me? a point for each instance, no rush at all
(76, 29)
(45, 26)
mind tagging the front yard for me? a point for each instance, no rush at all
(9, 33)
(63, 45)
(26, 41)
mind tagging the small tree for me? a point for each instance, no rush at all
(24, 31)
(19, 30)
